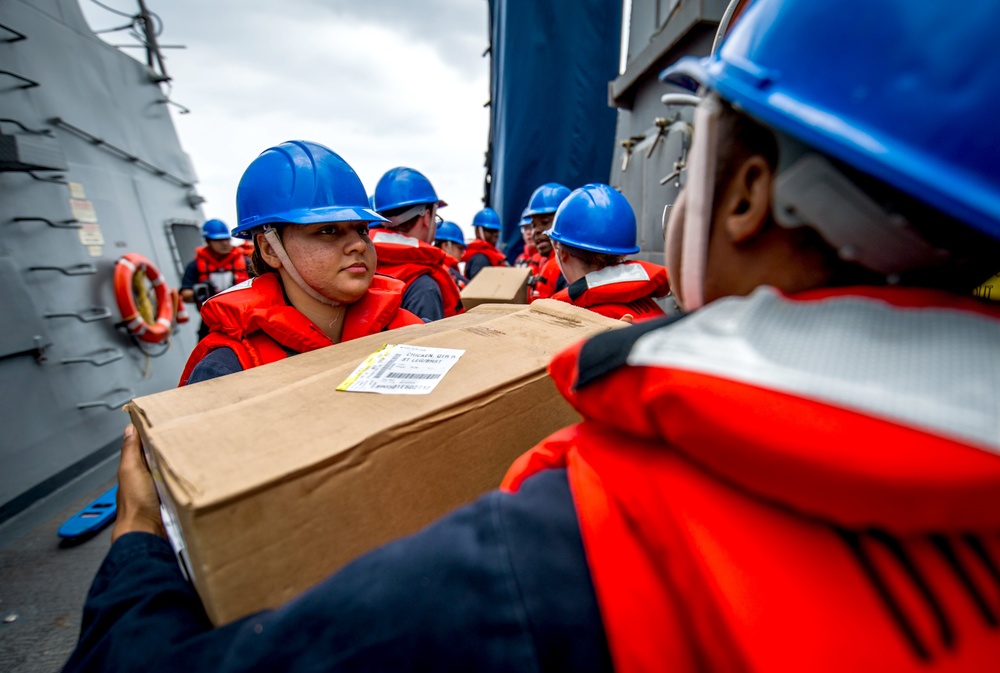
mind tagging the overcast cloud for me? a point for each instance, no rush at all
(383, 83)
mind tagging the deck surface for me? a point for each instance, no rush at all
(43, 582)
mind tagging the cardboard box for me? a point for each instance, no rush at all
(274, 479)
(497, 285)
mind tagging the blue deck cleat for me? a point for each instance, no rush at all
(91, 518)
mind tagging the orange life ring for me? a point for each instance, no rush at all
(150, 332)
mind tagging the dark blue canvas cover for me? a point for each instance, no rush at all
(549, 120)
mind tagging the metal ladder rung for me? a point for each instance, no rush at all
(59, 180)
(109, 355)
(34, 132)
(19, 35)
(75, 270)
(110, 404)
(61, 224)
(91, 314)
(28, 83)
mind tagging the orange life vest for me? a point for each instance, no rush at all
(537, 261)
(208, 264)
(406, 258)
(524, 259)
(451, 264)
(614, 291)
(782, 484)
(254, 321)
(481, 247)
(546, 279)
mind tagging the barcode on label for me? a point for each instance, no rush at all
(390, 362)
(411, 375)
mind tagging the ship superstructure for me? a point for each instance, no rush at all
(91, 169)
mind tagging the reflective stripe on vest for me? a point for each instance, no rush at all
(383, 236)
(858, 356)
(619, 273)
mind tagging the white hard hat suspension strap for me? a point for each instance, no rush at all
(406, 215)
(813, 192)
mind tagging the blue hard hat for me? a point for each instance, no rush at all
(449, 231)
(546, 199)
(215, 230)
(525, 218)
(299, 182)
(904, 91)
(371, 205)
(597, 218)
(401, 187)
(487, 218)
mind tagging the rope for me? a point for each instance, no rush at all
(142, 302)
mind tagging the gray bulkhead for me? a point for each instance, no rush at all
(652, 139)
(90, 168)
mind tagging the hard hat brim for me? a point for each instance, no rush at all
(688, 73)
(604, 250)
(440, 203)
(311, 216)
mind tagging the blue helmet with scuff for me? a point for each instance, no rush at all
(215, 230)
(546, 199)
(597, 218)
(904, 91)
(401, 187)
(449, 231)
(487, 218)
(300, 182)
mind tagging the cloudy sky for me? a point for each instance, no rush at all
(383, 83)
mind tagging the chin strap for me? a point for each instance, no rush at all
(690, 219)
(271, 234)
(673, 227)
